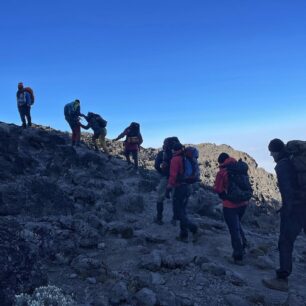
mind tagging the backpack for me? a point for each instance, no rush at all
(239, 186)
(101, 122)
(191, 166)
(30, 91)
(297, 154)
(133, 133)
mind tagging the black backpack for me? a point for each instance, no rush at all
(98, 119)
(239, 186)
(297, 154)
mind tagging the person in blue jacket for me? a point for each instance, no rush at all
(72, 112)
(24, 102)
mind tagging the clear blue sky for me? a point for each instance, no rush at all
(217, 71)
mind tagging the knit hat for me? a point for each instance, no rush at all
(276, 145)
(177, 146)
(222, 157)
(20, 85)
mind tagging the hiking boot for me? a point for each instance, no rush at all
(235, 261)
(24, 125)
(280, 284)
(158, 221)
(182, 239)
(238, 262)
(29, 124)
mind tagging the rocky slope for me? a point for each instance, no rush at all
(83, 223)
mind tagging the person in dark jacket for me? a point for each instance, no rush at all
(181, 194)
(162, 165)
(132, 142)
(292, 214)
(233, 212)
(98, 125)
(72, 112)
(24, 105)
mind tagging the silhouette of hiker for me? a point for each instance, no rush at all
(292, 213)
(98, 125)
(162, 165)
(181, 194)
(132, 142)
(233, 211)
(25, 99)
(72, 114)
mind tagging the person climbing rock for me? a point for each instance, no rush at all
(98, 125)
(72, 112)
(132, 142)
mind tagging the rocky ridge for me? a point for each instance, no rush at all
(84, 224)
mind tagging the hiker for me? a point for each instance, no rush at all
(181, 193)
(24, 101)
(235, 199)
(132, 142)
(162, 165)
(98, 125)
(72, 114)
(290, 173)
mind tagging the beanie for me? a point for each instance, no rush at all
(222, 157)
(20, 84)
(276, 145)
(177, 146)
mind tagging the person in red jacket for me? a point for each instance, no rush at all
(233, 212)
(132, 142)
(180, 194)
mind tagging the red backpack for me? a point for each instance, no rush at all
(30, 91)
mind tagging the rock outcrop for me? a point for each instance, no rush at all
(72, 218)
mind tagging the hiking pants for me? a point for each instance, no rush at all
(25, 112)
(134, 155)
(180, 200)
(290, 227)
(101, 137)
(232, 217)
(75, 129)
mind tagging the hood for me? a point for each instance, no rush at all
(227, 162)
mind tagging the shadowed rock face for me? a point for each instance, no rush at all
(20, 271)
(87, 222)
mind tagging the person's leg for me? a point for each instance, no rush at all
(178, 206)
(231, 218)
(161, 191)
(290, 226)
(94, 141)
(77, 134)
(190, 225)
(135, 158)
(21, 110)
(28, 115)
(179, 199)
(241, 213)
(103, 142)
